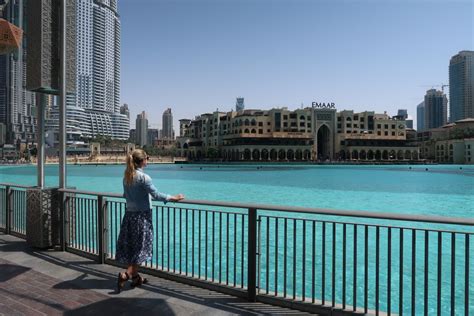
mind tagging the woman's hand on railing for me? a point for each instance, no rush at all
(176, 198)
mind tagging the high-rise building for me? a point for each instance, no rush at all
(167, 132)
(17, 105)
(461, 86)
(96, 102)
(141, 129)
(436, 109)
(124, 110)
(239, 104)
(420, 117)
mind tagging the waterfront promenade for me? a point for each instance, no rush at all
(50, 282)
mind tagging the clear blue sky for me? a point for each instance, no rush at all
(198, 55)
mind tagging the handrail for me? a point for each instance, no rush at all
(17, 185)
(305, 210)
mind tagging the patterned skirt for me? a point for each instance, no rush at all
(135, 241)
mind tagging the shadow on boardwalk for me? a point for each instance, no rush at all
(48, 282)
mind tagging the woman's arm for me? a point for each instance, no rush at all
(151, 189)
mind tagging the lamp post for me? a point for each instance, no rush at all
(62, 99)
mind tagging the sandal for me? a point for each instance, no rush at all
(121, 280)
(138, 280)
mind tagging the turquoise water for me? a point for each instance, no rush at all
(440, 191)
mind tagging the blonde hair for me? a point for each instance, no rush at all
(133, 161)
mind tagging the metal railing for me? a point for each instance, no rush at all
(316, 260)
(13, 209)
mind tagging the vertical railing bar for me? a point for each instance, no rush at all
(276, 256)
(377, 269)
(304, 261)
(252, 253)
(333, 264)
(259, 251)
(156, 212)
(192, 242)
(267, 248)
(162, 238)
(366, 269)
(440, 249)
(426, 273)
(205, 246)
(466, 273)
(235, 249)
(220, 247)
(174, 239)
(294, 259)
(243, 251)
(199, 243)
(285, 251)
(389, 271)
(227, 251)
(213, 242)
(83, 224)
(413, 271)
(313, 265)
(400, 288)
(168, 237)
(180, 240)
(453, 272)
(323, 266)
(354, 277)
(344, 228)
(116, 221)
(186, 246)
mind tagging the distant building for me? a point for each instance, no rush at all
(239, 105)
(436, 109)
(167, 131)
(307, 134)
(420, 117)
(141, 126)
(461, 86)
(403, 115)
(124, 110)
(153, 135)
(17, 105)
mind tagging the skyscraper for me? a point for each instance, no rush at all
(239, 104)
(420, 117)
(141, 129)
(168, 132)
(436, 106)
(96, 103)
(17, 105)
(461, 86)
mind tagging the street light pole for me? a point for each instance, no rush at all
(62, 101)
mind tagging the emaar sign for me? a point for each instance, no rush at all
(324, 105)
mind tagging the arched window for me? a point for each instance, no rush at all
(247, 122)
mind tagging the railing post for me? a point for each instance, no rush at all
(252, 255)
(101, 231)
(64, 222)
(8, 222)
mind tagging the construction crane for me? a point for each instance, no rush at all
(437, 85)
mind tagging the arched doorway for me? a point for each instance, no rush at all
(323, 141)
(265, 154)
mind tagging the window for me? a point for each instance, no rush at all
(260, 123)
(260, 131)
(386, 126)
(378, 133)
(348, 125)
(386, 133)
(379, 126)
(393, 133)
(362, 126)
(285, 117)
(393, 126)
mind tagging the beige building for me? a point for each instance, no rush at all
(309, 134)
(451, 143)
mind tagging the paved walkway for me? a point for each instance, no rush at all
(60, 283)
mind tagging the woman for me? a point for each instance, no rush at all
(135, 242)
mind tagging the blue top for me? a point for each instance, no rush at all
(140, 192)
